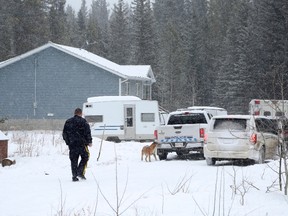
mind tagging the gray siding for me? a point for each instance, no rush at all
(61, 83)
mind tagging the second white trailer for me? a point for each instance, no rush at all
(117, 118)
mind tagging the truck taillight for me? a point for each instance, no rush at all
(257, 101)
(156, 134)
(253, 138)
(202, 132)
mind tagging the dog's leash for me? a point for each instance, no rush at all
(101, 143)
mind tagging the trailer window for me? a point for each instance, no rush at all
(147, 117)
(94, 118)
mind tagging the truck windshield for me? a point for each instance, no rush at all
(187, 118)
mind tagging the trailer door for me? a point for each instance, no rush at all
(129, 126)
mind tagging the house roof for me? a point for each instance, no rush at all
(135, 72)
(3, 136)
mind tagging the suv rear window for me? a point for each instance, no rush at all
(230, 124)
(187, 118)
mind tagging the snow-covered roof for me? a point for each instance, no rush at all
(3, 136)
(112, 98)
(138, 72)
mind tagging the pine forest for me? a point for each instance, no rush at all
(203, 52)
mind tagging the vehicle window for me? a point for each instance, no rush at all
(267, 113)
(230, 124)
(266, 125)
(94, 118)
(187, 118)
(279, 113)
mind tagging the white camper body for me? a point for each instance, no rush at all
(211, 111)
(214, 111)
(271, 108)
(117, 118)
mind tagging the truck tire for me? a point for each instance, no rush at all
(163, 156)
(210, 161)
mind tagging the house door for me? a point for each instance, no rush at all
(129, 127)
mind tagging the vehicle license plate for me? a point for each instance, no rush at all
(178, 144)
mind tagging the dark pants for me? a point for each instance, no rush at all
(74, 154)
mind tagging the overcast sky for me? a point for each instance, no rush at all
(76, 4)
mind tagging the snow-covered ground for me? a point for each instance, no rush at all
(119, 183)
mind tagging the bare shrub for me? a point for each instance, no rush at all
(182, 185)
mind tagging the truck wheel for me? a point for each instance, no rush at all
(210, 161)
(163, 156)
(261, 158)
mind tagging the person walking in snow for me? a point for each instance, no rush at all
(77, 135)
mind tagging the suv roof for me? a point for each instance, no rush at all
(241, 116)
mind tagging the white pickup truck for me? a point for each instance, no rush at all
(184, 132)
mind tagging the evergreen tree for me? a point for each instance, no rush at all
(198, 80)
(31, 27)
(271, 32)
(143, 33)
(119, 34)
(103, 19)
(82, 25)
(57, 21)
(71, 28)
(97, 29)
(7, 25)
(171, 53)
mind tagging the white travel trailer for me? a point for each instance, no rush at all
(117, 118)
(271, 108)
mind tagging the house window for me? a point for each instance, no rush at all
(147, 117)
(137, 89)
(146, 92)
(127, 88)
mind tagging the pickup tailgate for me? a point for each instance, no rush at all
(181, 133)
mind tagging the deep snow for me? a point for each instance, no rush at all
(40, 183)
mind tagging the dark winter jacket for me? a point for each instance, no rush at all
(76, 132)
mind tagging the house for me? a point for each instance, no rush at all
(52, 80)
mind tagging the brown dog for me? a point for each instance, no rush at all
(148, 151)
